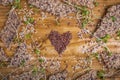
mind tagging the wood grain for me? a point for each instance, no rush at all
(73, 52)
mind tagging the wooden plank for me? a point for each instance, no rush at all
(72, 53)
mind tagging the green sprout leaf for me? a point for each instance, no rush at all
(35, 70)
(37, 51)
(98, 40)
(113, 18)
(85, 11)
(96, 3)
(96, 55)
(17, 1)
(22, 63)
(17, 4)
(78, 7)
(17, 40)
(41, 60)
(2, 64)
(42, 70)
(109, 52)
(101, 74)
(28, 36)
(29, 21)
(84, 23)
(105, 38)
(106, 49)
(31, 6)
(118, 33)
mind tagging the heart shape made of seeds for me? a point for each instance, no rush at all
(60, 41)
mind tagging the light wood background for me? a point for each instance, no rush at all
(73, 51)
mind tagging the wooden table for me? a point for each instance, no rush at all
(73, 52)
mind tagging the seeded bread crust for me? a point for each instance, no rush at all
(6, 2)
(20, 56)
(54, 7)
(58, 76)
(110, 61)
(87, 3)
(107, 25)
(3, 56)
(29, 75)
(8, 33)
(90, 75)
